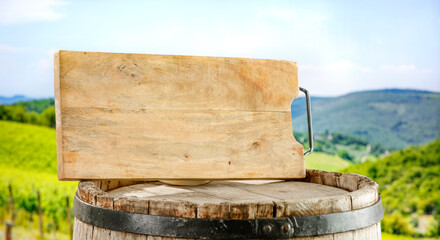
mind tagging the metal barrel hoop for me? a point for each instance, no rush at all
(203, 228)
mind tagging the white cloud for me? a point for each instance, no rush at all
(289, 15)
(228, 40)
(338, 66)
(334, 77)
(6, 48)
(25, 11)
(427, 71)
(399, 68)
(44, 66)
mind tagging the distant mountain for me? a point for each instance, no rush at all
(13, 99)
(394, 118)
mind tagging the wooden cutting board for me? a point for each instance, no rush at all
(149, 117)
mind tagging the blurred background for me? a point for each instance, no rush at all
(372, 68)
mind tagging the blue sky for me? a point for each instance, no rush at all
(340, 46)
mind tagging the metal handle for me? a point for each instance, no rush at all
(309, 120)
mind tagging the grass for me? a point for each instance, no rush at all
(28, 146)
(25, 233)
(327, 162)
(387, 236)
(28, 162)
(25, 184)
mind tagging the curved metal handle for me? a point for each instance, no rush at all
(309, 120)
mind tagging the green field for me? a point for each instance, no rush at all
(28, 162)
(27, 146)
(387, 236)
(327, 162)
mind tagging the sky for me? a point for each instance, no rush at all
(340, 46)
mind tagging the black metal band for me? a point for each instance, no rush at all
(202, 228)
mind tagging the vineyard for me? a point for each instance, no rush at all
(409, 182)
(28, 163)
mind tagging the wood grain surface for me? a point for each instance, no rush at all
(138, 116)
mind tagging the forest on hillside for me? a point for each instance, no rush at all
(395, 118)
(38, 112)
(409, 184)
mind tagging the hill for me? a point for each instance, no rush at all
(393, 118)
(13, 99)
(37, 106)
(28, 146)
(348, 147)
(28, 162)
(409, 183)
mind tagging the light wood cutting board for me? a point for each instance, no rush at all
(149, 117)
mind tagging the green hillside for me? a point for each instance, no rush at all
(18, 113)
(409, 183)
(348, 147)
(394, 118)
(409, 179)
(28, 147)
(326, 162)
(28, 162)
(37, 106)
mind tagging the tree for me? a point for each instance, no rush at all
(48, 117)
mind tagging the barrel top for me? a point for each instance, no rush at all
(256, 191)
(319, 193)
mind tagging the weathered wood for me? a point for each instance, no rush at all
(366, 233)
(314, 206)
(343, 236)
(135, 116)
(129, 204)
(83, 230)
(379, 231)
(322, 237)
(350, 181)
(217, 143)
(58, 116)
(8, 231)
(238, 200)
(102, 200)
(174, 82)
(11, 202)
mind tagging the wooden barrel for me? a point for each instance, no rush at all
(321, 193)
